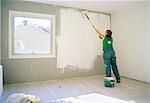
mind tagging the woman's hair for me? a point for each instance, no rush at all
(108, 33)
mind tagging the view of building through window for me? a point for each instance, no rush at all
(32, 35)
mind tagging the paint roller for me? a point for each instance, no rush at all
(85, 13)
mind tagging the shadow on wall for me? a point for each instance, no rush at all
(74, 71)
(99, 65)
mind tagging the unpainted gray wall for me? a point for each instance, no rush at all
(29, 70)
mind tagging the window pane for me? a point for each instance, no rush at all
(32, 35)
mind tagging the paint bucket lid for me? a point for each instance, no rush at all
(109, 78)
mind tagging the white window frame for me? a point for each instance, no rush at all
(11, 34)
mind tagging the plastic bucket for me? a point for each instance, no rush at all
(109, 82)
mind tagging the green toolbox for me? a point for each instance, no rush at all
(109, 82)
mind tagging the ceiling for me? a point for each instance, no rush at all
(107, 6)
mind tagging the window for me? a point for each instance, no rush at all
(31, 35)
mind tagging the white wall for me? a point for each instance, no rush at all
(131, 41)
(149, 32)
(0, 31)
(78, 43)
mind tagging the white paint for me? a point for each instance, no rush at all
(131, 41)
(78, 43)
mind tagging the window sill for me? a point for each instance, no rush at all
(30, 56)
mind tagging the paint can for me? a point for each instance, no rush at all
(109, 82)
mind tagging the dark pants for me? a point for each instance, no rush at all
(110, 61)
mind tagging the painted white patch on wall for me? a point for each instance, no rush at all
(78, 43)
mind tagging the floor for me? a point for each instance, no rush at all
(83, 90)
